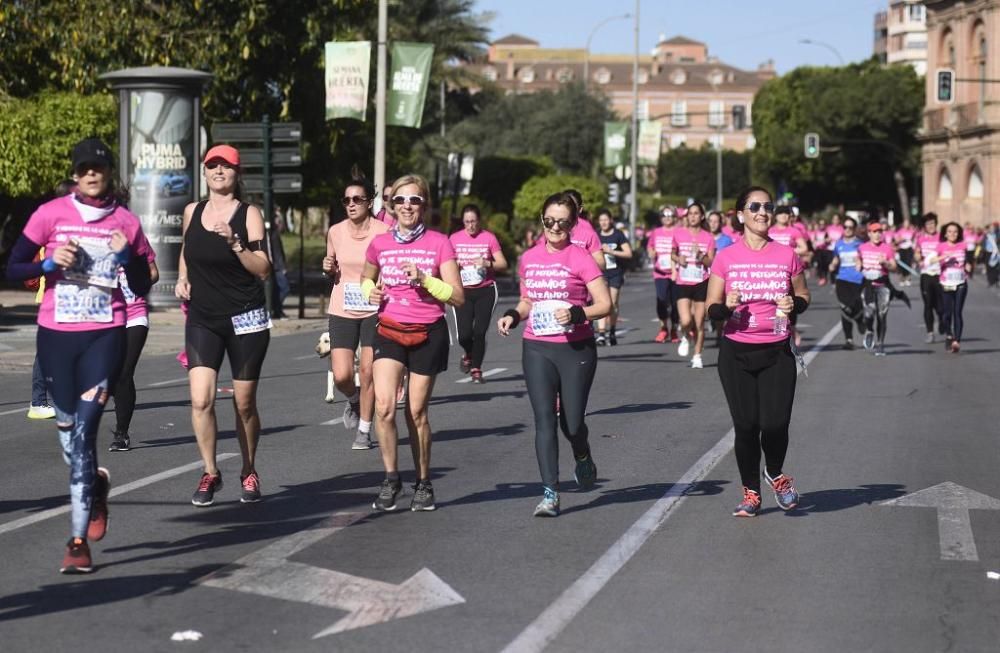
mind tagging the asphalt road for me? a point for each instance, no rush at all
(649, 560)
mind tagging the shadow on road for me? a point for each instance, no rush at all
(843, 499)
(642, 408)
(223, 435)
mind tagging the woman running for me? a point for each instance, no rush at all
(693, 252)
(925, 251)
(87, 236)
(955, 271)
(660, 247)
(479, 259)
(716, 222)
(221, 268)
(903, 241)
(617, 251)
(558, 350)
(876, 259)
(419, 276)
(848, 281)
(755, 285)
(352, 317)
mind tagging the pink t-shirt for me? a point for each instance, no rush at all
(86, 297)
(820, 239)
(407, 303)
(761, 277)
(952, 258)
(904, 237)
(385, 218)
(971, 239)
(874, 259)
(584, 235)
(784, 235)
(556, 279)
(835, 232)
(349, 249)
(927, 245)
(136, 309)
(661, 244)
(687, 245)
(468, 249)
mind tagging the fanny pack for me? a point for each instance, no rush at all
(407, 335)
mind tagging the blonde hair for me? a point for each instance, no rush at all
(417, 181)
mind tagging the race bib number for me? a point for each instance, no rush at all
(76, 303)
(872, 275)
(848, 259)
(953, 277)
(472, 276)
(354, 300)
(610, 262)
(931, 264)
(663, 261)
(252, 321)
(543, 318)
(95, 263)
(692, 273)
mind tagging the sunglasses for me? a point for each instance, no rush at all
(562, 223)
(354, 199)
(386, 199)
(413, 200)
(216, 164)
(755, 207)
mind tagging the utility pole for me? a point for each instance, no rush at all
(383, 36)
(634, 187)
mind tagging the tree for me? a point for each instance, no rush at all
(528, 202)
(692, 173)
(866, 114)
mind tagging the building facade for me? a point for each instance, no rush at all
(961, 140)
(691, 93)
(906, 34)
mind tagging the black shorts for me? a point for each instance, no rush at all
(206, 341)
(615, 281)
(697, 293)
(348, 332)
(428, 358)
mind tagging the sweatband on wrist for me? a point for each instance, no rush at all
(515, 317)
(719, 312)
(49, 265)
(800, 305)
(577, 315)
(367, 286)
(122, 257)
(438, 289)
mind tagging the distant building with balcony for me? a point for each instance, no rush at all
(906, 34)
(690, 92)
(961, 140)
(881, 37)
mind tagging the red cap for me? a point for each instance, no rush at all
(875, 226)
(227, 153)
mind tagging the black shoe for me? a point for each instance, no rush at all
(849, 344)
(423, 497)
(207, 487)
(120, 443)
(600, 339)
(387, 493)
(586, 472)
(612, 339)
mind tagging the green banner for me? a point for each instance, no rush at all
(347, 67)
(615, 144)
(411, 70)
(650, 134)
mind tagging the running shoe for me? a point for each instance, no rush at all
(362, 441)
(423, 497)
(849, 345)
(696, 362)
(684, 347)
(43, 411)
(822, 281)
(673, 336)
(784, 492)
(869, 340)
(947, 342)
(750, 505)
(251, 488)
(601, 340)
(207, 487)
(955, 347)
(612, 339)
(387, 493)
(466, 364)
(352, 414)
(549, 505)
(401, 396)
(98, 526)
(585, 472)
(879, 350)
(121, 442)
(476, 374)
(661, 336)
(77, 559)
(929, 338)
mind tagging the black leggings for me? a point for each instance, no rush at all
(124, 388)
(565, 369)
(472, 320)
(666, 301)
(207, 341)
(851, 311)
(953, 302)
(930, 291)
(759, 382)
(876, 302)
(823, 259)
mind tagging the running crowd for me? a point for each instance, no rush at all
(742, 275)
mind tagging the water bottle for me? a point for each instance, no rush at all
(780, 322)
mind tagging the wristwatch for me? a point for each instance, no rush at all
(237, 245)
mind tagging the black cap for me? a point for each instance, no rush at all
(92, 150)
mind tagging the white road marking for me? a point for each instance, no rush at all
(159, 383)
(555, 618)
(302, 358)
(115, 491)
(486, 374)
(268, 572)
(16, 410)
(953, 503)
(337, 420)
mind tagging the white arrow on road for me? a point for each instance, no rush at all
(953, 503)
(268, 572)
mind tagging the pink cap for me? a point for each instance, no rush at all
(227, 153)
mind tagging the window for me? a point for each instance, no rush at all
(643, 76)
(975, 184)
(944, 186)
(917, 13)
(564, 75)
(678, 77)
(602, 76)
(716, 77)
(716, 141)
(526, 75)
(490, 73)
(677, 140)
(643, 110)
(717, 113)
(678, 116)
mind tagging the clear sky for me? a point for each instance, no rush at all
(742, 33)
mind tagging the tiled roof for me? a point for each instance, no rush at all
(515, 39)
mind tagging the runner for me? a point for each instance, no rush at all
(822, 255)
(903, 240)
(352, 318)
(925, 251)
(559, 355)
(755, 285)
(953, 254)
(479, 259)
(419, 275)
(584, 235)
(660, 247)
(386, 214)
(785, 231)
(221, 268)
(87, 235)
(617, 252)
(848, 282)
(716, 221)
(876, 259)
(835, 230)
(693, 252)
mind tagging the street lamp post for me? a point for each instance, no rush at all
(634, 186)
(824, 45)
(586, 56)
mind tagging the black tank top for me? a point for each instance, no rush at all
(220, 285)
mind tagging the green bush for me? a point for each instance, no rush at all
(498, 178)
(529, 199)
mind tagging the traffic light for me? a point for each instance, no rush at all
(739, 117)
(945, 86)
(812, 145)
(613, 192)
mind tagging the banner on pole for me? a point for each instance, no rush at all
(615, 144)
(347, 66)
(650, 135)
(411, 71)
